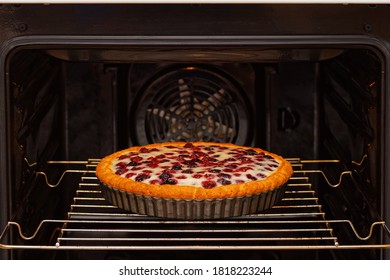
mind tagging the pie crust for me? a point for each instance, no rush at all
(108, 175)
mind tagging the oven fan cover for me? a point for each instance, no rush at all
(191, 104)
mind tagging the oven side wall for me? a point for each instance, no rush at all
(4, 158)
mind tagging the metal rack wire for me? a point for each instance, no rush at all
(297, 222)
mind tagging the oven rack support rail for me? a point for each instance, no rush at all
(298, 222)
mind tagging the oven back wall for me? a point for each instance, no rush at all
(90, 115)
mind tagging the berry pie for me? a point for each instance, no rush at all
(193, 171)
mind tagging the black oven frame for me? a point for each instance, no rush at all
(170, 26)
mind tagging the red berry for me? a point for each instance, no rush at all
(164, 176)
(156, 182)
(170, 181)
(208, 184)
(121, 165)
(144, 150)
(224, 182)
(120, 171)
(224, 175)
(142, 177)
(188, 145)
(123, 157)
(129, 175)
(136, 159)
(176, 167)
(191, 164)
(251, 177)
(136, 168)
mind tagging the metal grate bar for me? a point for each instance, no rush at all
(178, 239)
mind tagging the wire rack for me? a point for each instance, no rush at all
(297, 222)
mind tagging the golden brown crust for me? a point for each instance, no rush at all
(107, 176)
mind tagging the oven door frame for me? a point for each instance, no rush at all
(187, 42)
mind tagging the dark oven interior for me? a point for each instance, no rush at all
(313, 89)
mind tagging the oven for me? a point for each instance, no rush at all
(309, 82)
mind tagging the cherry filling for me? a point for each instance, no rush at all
(141, 177)
(251, 177)
(176, 167)
(189, 145)
(144, 150)
(165, 176)
(224, 182)
(206, 166)
(136, 159)
(170, 181)
(225, 175)
(209, 184)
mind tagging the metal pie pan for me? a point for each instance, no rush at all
(192, 209)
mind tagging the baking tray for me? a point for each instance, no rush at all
(193, 209)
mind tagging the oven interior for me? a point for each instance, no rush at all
(66, 106)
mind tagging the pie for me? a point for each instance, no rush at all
(193, 170)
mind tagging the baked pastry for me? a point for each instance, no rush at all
(198, 170)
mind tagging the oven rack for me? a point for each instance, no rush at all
(298, 222)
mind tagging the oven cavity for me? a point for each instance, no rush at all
(69, 102)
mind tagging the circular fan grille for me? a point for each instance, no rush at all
(191, 104)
